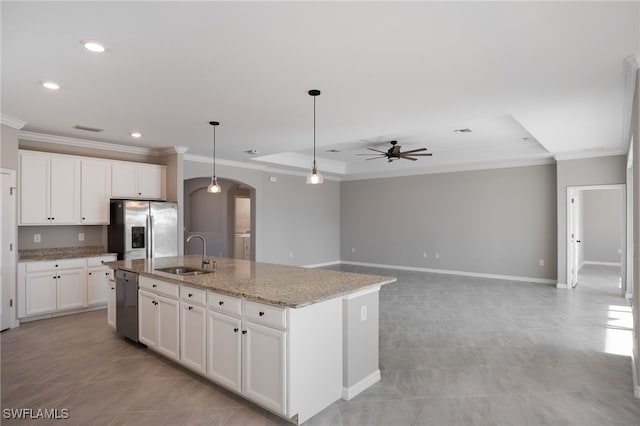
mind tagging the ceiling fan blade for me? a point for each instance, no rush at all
(376, 150)
(374, 158)
(414, 150)
(409, 158)
(421, 155)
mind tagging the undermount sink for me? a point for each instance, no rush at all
(183, 270)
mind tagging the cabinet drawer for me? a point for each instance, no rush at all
(53, 265)
(159, 287)
(225, 304)
(97, 261)
(260, 313)
(193, 295)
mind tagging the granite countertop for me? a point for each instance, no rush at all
(289, 286)
(34, 255)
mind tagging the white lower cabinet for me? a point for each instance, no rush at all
(71, 289)
(51, 290)
(158, 320)
(224, 349)
(193, 337)
(264, 362)
(40, 289)
(97, 285)
(111, 303)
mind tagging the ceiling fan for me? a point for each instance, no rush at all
(394, 153)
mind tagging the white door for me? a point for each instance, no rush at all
(65, 191)
(40, 292)
(97, 286)
(168, 330)
(7, 251)
(96, 191)
(224, 345)
(573, 240)
(264, 366)
(71, 292)
(193, 337)
(147, 319)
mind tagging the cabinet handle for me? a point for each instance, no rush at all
(54, 277)
(154, 285)
(221, 303)
(190, 307)
(190, 294)
(58, 276)
(56, 266)
(139, 193)
(89, 273)
(53, 218)
(235, 330)
(84, 218)
(244, 331)
(261, 313)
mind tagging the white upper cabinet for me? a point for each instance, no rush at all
(96, 191)
(49, 189)
(134, 180)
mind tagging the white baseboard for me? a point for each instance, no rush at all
(449, 272)
(320, 265)
(352, 391)
(562, 285)
(593, 262)
(63, 313)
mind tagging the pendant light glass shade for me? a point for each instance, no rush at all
(214, 186)
(314, 178)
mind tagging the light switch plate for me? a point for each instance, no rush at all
(37, 238)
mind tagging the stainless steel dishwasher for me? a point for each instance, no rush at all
(127, 304)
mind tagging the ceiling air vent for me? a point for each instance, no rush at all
(87, 128)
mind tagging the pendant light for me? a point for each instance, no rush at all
(214, 186)
(314, 177)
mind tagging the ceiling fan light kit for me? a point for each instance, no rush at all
(214, 186)
(314, 178)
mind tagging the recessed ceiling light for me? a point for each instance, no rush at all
(462, 131)
(136, 134)
(332, 150)
(50, 85)
(93, 46)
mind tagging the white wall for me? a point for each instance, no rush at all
(500, 221)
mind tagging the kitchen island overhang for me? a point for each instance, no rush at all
(304, 337)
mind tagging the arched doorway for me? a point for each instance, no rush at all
(225, 220)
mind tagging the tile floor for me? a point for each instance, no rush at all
(453, 351)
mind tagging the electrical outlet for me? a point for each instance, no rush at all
(437, 255)
(424, 254)
(541, 262)
(290, 254)
(37, 238)
(80, 236)
(273, 178)
(363, 313)
(353, 249)
(619, 251)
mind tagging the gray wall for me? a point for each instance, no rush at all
(498, 221)
(290, 216)
(60, 236)
(588, 171)
(602, 236)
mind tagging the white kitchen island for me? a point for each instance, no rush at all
(292, 340)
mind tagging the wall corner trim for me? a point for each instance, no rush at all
(173, 150)
(13, 122)
(352, 391)
(636, 386)
(563, 286)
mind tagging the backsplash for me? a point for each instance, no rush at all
(60, 253)
(61, 236)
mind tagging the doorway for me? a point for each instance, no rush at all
(8, 249)
(597, 238)
(242, 224)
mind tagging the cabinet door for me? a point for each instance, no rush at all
(111, 304)
(150, 182)
(264, 366)
(65, 191)
(40, 292)
(147, 319)
(71, 289)
(168, 330)
(124, 179)
(193, 322)
(34, 189)
(224, 349)
(96, 192)
(97, 286)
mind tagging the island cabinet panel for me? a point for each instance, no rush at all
(264, 373)
(147, 319)
(193, 337)
(224, 350)
(97, 286)
(111, 303)
(168, 330)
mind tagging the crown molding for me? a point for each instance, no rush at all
(591, 153)
(85, 143)
(12, 122)
(173, 150)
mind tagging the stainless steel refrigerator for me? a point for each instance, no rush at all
(141, 229)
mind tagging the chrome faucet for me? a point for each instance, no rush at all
(205, 258)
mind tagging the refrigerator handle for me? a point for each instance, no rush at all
(147, 238)
(151, 231)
